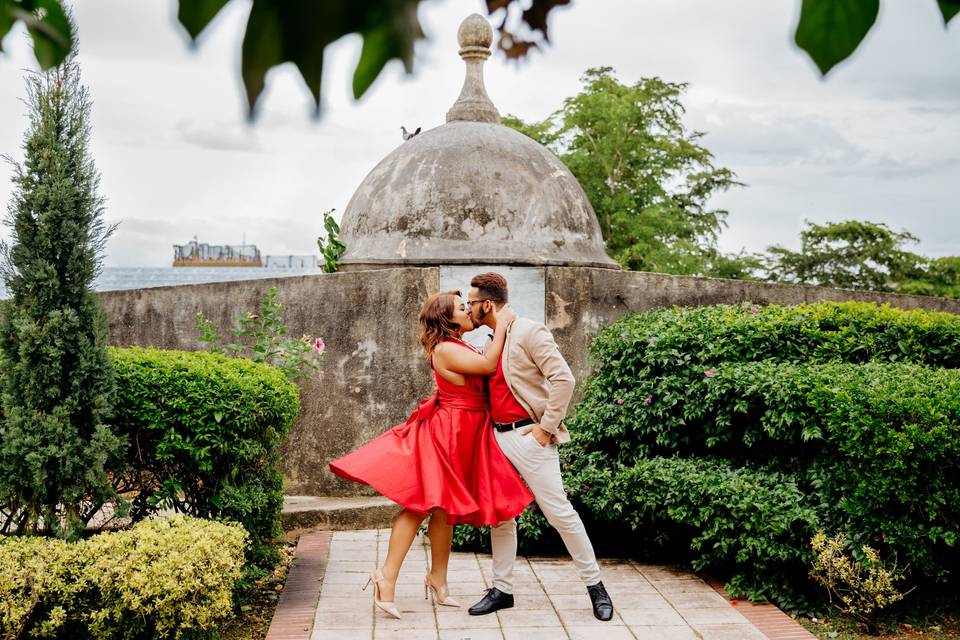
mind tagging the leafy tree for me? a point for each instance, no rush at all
(298, 31)
(939, 277)
(851, 254)
(56, 380)
(648, 178)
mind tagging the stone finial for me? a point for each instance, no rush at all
(475, 37)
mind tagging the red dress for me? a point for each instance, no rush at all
(444, 457)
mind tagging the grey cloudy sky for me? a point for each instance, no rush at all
(879, 139)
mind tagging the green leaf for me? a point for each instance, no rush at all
(831, 30)
(195, 15)
(298, 31)
(6, 19)
(949, 8)
(378, 48)
(50, 30)
(283, 32)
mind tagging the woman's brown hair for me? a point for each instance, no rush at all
(436, 320)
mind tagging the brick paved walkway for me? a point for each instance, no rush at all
(652, 602)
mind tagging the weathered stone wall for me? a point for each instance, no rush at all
(581, 301)
(373, 371)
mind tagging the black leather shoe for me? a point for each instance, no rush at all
(602, 604)
(493, 600)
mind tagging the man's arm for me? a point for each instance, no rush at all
(545, 354)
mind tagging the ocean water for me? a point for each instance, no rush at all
(118, 278)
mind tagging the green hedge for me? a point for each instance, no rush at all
(204, 433)
(659, 357)
(736, 431)
(166, 578)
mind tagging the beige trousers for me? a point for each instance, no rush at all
(540, 468)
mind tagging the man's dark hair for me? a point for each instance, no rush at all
(492, 286)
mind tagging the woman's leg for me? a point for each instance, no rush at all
(440, 533)
(404, 530)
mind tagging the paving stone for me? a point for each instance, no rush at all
(353, 604)
(602, 631)
(404, 633)
(661, 617)
(460, 619)
(697, 600)
(730, 632)
(527, 618)
(535, 633)
(342, 634)
(338, 619)
(712, 615)
(471, 634)
(664, 633)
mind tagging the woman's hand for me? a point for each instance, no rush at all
(505, 314)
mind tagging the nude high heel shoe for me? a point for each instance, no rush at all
(389, 607)
(441, 596)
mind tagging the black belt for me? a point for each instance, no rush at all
(510, 426)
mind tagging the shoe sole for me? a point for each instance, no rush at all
(484, 613)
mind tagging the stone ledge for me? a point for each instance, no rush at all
(337, 513)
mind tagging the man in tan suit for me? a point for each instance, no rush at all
(529, 395)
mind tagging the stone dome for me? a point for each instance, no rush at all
(471, 191)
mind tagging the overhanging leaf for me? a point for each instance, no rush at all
(49, 29)
(298, 30)
(378, 49)
(6, 19)
(949, 8)
(385, 41)
(536, 15)
(195, 15)
(830, 30)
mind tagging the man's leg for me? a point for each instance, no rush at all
(540, 468)
(503, 537)
(503, 543)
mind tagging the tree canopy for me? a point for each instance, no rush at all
(648, 178)
(852, 254)
(298, 31)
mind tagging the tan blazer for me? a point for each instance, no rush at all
(538, 376)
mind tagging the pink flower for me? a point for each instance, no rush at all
(648, 400)
(619, 400)
(753, 309)
(710, 373)
(652, 341)
(586, 487)
(319, 346)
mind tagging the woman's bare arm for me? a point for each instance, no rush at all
(456, 359)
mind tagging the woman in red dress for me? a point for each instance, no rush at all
(444, 461)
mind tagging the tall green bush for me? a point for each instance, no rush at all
(635, 403)
(205, 432)
(56, 381)
(737, 432)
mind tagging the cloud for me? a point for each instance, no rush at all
(219, 136)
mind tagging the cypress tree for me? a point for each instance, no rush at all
(56, 380)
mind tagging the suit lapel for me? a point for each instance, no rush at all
(511, 341)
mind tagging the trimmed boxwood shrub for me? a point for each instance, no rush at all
(204, 433)
(165, 578)
(744, 429)
(659, 356)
